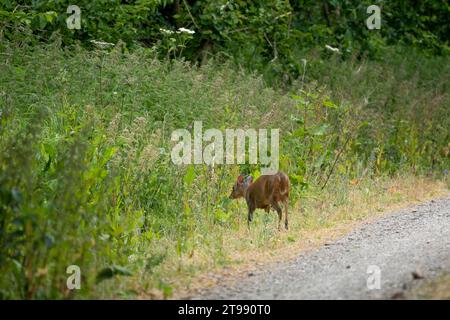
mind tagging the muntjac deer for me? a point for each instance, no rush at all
(266, 192)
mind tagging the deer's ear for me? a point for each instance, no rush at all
(249, 179)
(240, 179)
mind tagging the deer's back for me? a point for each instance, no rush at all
(267, 188)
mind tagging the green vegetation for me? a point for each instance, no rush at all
(267, 35)
(85, 171)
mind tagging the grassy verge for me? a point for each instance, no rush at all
(435, 289)
(315, 220)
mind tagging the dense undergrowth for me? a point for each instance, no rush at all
(86, 176)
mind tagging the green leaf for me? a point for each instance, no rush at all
(165, 288)
(47, 165)
(16, 195)
(50, 16)
(42, 22)
(190, 175)
(329, 104)
(111, 271)
(154, 261)
(320, 131)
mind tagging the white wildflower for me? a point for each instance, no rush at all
(186, 30)
(332, 48)
(222, 7)
(165, 31)
(102, 44)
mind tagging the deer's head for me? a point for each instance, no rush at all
(240, 186)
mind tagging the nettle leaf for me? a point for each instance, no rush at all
(190, 175)
(42, 21)
(50, 16)
(296, 119)
(320, 131)
(329, 104)
(363, 124)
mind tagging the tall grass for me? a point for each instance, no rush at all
(85, 170)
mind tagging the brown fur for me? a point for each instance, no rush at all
(268, 191)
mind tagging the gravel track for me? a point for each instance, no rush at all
(406, 245)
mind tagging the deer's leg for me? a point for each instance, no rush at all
(251, 209)
(277, 208)
(286, 203)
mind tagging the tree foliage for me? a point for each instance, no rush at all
(253, 32)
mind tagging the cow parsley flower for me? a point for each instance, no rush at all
(165, 31)
(102, 44)
(186, 30)
(332, 48)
